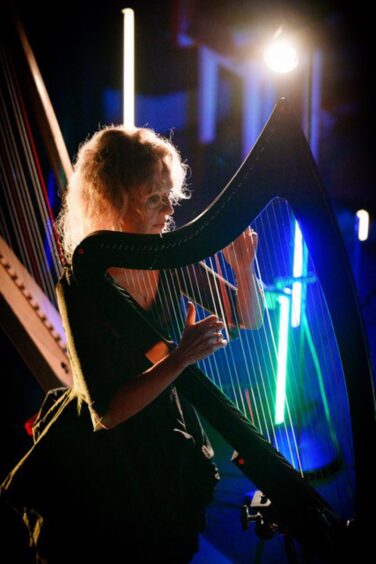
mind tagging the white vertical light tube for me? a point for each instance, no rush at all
(128, 68)
(363, 224)
(208, 94)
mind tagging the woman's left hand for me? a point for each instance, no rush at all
(241, 253)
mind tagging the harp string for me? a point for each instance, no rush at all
(281, 257)
(250, 364)
(264, 355)
(215, 295)
(285, 266)
(321, 390)
(188, 279)
(318, 385)
(28, 228)
(251, 351)
(234, 377)
(234, 386)
(231, 389)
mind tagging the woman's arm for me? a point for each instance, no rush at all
(198, 341)
(241, 255)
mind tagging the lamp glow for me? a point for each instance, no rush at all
(363, 224)
(128, 68)
(281, 56)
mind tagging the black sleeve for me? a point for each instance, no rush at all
(102, 358)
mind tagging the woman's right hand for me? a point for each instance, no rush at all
(200, 339)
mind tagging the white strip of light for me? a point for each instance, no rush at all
(363, 224)
(128, 68)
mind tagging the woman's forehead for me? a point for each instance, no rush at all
(156, 188)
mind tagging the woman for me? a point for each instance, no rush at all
(129, 181)
(139, 485)
(121, 470)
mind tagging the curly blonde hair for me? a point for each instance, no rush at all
(110, 165)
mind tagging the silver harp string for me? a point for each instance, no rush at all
(31, 260)
(23, 191)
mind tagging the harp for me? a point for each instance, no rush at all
(278, 176)
(304, 377)
(31, 143)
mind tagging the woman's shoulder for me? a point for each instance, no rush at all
(68, 284)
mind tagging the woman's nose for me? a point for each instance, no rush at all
(167, 208)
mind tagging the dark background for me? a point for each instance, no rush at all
(79, 50)
(78, 47)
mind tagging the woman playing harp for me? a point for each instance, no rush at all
(129, 181)
(157, 473)
(141, 483)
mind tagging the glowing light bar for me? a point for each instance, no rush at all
(128, 68)
(208, 86)
(284, 304)
(363, 224)
(297, 273)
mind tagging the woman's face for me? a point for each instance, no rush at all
(147, 212)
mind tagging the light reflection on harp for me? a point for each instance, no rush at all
(29, 259)
(303, 378)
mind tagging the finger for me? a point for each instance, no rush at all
(191, 314)
(210, 321)
(209, 346)
(217, 343)
(218, 337)
(213, 340)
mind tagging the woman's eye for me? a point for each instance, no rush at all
(153, 200)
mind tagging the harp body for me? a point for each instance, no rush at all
(280, 175)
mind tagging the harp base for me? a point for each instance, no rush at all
(318, 532)
(257, 509)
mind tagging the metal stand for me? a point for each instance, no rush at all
(257, 509)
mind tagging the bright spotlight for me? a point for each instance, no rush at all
(281, 56)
